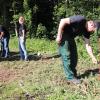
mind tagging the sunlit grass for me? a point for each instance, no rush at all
(44, 79)
(35, 45)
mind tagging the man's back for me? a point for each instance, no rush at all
(77, 27)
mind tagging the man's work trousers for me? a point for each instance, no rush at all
(69, 57)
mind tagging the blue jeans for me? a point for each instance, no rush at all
(5, 47)
(22, 48)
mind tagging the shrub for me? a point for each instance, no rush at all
(41, 31)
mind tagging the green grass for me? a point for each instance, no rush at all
(44, 79)
(35, 45)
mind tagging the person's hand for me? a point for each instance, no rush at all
(22, 39)
(58, 39)
(94, 60)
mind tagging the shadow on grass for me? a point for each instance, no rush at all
(47, 57)
(87, 73)
(12, 57)
(15, 56)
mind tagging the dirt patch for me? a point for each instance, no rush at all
(11, 74)
(8, 75)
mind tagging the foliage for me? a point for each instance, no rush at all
(47, 12)
(41, 31)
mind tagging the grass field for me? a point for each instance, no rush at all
(42, 77)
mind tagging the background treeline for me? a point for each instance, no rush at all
(42, 16)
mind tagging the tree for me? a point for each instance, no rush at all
(4, 10)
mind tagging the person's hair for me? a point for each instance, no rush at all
(90, 25)
(21, 19)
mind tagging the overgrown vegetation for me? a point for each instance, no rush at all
(45, 15)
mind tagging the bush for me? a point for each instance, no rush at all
(41, 31)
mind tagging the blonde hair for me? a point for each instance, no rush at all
(21, 19)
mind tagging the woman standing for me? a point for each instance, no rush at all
(21, 33)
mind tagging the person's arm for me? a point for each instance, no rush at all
(1, 35)
(23, 32)
(89, 50)
(63, 22)
(1, 32)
